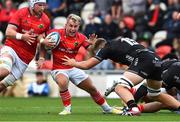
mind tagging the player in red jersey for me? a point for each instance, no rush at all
(20, 46)
(71, 41)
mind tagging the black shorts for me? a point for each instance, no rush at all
(145, 64)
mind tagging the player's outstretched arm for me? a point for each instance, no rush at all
(28, 37)
(83, 64)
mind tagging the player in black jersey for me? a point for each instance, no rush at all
(171, 83)
(143, 64)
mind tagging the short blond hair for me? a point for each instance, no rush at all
(99, 43)
(74, 17)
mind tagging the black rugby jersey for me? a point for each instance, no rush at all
(121, 50)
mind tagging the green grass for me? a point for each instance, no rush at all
(47, 109)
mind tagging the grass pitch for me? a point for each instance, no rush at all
(84, 109)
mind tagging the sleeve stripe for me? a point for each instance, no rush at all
(14, 24)
(100, 59)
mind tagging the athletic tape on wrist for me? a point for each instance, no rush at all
(19, 36)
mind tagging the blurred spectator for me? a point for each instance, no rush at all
(176, 45)
(134, 7)
(116, 9)
(23, 4)
(102, 7)
(145, 39)
(155, 15)
(138, 7)
(127, 10)
(123, 30)
(129, 21)
(57, 7)
(168, 41)
(5, 14)
(173, 4)
(75, 6)
(92, 27)
(108, 29)
(171, 24)
(40, 87)
(163, 50)
(170, 44)
(178, 16)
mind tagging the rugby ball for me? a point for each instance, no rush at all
(53, 37)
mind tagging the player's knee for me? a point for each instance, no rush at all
(153, 92)
(63, 85)
(5, 64)
(124, 82)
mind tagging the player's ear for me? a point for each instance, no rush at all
(65, 25)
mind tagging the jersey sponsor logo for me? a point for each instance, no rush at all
(129, 58)
(40, 26)
(76, 44)
(136, 61)
(67, 51)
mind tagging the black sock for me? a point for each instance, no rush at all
(141, 92)
(131, 104)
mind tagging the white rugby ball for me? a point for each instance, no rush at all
(53, 37)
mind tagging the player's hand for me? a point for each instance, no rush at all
(47, 42)
(29, 37)
(69, 61)
(40, 62)
(92, 38)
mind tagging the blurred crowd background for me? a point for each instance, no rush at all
(150, 22)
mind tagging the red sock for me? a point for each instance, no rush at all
(141, 107)
(133, 91)
(65, 97)
(98, 98)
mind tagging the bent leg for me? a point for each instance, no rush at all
(152, 107)
(90, 88)
(154, 93)
(125, 84)
(65, 96)
(97, 97)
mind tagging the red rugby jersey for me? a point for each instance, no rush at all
(26, 22)
(68, 46)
